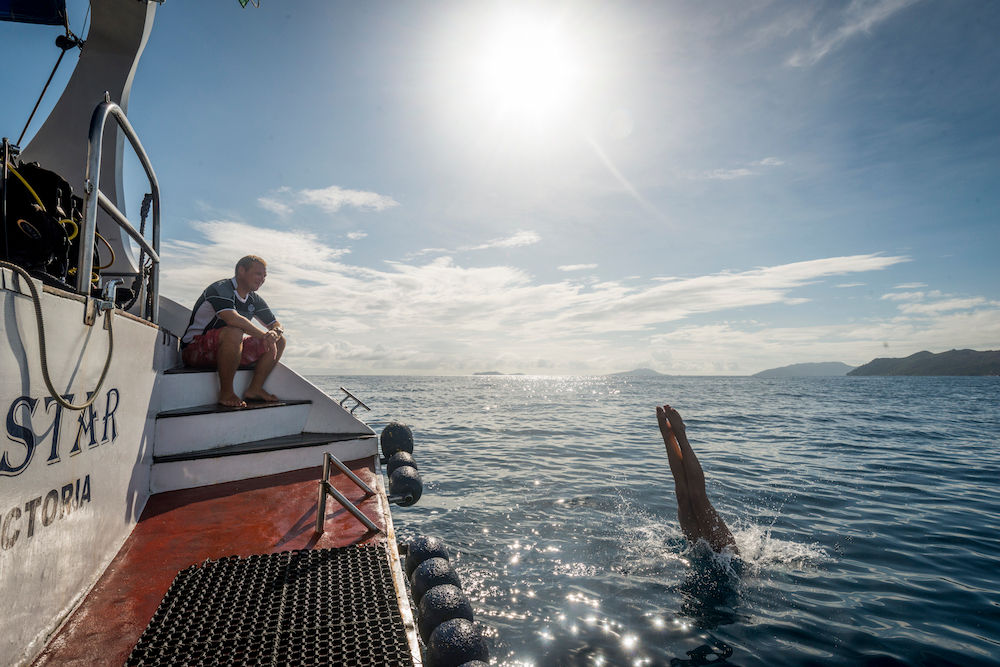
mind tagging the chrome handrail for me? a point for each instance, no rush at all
(357, 401)
(93, 197)
(326, 488)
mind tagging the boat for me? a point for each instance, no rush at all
(141, 522)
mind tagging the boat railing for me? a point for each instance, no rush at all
(351, 397)
(326, 488)
(93, 197)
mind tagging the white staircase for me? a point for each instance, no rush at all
(199, 442)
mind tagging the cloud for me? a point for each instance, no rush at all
(284, 200)
(275, 206)
(934, 302)
(751, 169)
(859, 17)
(333, 198)
(728, 174)
(516, 240)
(910, 286)
(440, 316)
(577, 267)
(695, 349)
(942, 306)
(908, 296)
(519, 239)
(844, 285)
(356, 236)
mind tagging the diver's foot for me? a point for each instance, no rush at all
(231, 400)
(664, 423)
(260, 396)
(669, 421)
(676, 423)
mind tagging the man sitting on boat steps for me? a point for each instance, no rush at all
(697, 517)
(221, 333)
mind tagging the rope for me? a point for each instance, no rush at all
(143, 271)
(64, 42)
(41, 344)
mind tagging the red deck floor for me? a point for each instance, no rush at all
(181, 528)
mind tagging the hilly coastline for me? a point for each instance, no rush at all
(952, 362)
(821, 369)
(636, 372)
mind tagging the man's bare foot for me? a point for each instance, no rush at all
(260, 396)
(231, 400)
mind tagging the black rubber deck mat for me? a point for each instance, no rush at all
(310, 607)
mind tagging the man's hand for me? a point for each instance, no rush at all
(271, 340)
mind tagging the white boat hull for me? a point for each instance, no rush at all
(72, 484)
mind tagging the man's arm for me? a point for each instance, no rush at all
(234, 319)
(265, 316)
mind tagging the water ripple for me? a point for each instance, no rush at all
(866, 510)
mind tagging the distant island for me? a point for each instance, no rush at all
(952, 362)
(640, 372)
(821, 369)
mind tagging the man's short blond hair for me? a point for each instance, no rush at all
(248, 261)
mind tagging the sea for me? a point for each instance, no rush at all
(866, 511)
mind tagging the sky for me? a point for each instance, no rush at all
(574, 187)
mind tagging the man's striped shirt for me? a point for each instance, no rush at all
(221, 296)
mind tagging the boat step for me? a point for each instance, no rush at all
(184, 387)
(183, 370)
(174, 470)
(265, 445)
(212, 426)
(215, 408)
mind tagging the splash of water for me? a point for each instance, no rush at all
(760, 551)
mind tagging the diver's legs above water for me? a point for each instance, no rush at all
(685, 510)
(697, 517)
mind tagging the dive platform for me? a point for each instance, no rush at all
(235, 573)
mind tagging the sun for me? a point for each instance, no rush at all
(526, 69)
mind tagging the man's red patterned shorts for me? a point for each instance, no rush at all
(203, 351)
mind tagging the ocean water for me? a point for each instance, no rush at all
(866, 510)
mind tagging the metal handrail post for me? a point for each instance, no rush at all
(321, 504)
(352, 397)
(326, 488)
(350, 474)
(91, 185)
(350, 507)
(3, 198)
(92, 198)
